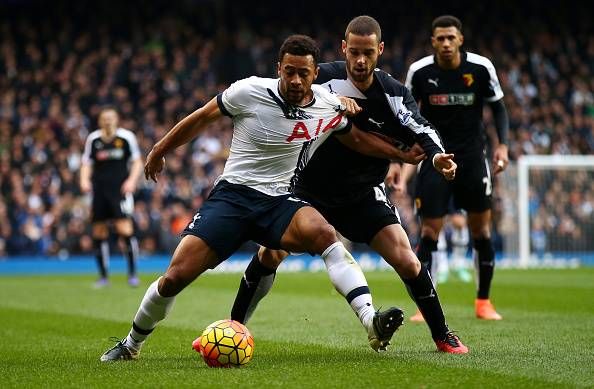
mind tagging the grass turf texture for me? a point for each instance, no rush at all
(54, 328)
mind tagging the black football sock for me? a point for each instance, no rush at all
(131, 254)
(101, 248)
(255, 284)
(423, 293)
(425, 251)
(484, 260)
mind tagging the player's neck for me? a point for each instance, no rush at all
(307, 99)
(449, 65)
(107, 134)
(362, 85)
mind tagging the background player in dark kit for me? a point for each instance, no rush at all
(111, 166)
(452, 87)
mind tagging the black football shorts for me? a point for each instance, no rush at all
(234, 214)
(109, 204)
(359, 221)
(470, 190)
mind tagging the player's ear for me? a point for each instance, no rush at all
(343, 46)
(433, 42)
(278, 69)
(461, 38)
(380, 48)
(317, 71)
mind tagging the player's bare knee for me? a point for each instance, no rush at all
(413, 265)
(100, 231)
(322, 237)
(271, 258)
(430, 232)
(480, 232)
(431, 227)
(124, 228)
(408, 265)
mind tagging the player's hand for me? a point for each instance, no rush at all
(85, 186)
(129, 186)
(444, 163)
(351, 108)
(153, 166)
(500, 159)
(414, 155)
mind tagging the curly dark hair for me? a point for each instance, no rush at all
(299, 45)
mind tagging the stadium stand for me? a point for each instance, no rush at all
(156, 64)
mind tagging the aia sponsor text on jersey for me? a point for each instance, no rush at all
(300, 130)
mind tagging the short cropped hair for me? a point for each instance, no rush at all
(106, 108)
(446, 21)
(364, 25)
(299, 45)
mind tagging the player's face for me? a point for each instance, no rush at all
(361, 53)
(108, 120)
(297, 73)
(446, 42)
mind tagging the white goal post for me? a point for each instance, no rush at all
(540, 162)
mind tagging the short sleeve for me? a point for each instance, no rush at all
(134, 149)
(235, 99)
(493, 91)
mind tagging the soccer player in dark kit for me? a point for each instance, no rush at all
(111, 166)
(452, 85)
(347, 187)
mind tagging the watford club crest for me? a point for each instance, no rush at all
(118, 143)
(468, 79)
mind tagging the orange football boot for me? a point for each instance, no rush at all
(485, 310)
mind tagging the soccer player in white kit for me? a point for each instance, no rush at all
(278, 124)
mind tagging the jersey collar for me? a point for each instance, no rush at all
(311, 102)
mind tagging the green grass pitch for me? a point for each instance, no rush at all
(54, 328)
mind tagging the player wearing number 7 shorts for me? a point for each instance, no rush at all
(451, 86)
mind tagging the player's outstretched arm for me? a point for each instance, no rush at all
(183, 132)
(374, 146)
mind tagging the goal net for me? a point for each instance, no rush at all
(555, 210)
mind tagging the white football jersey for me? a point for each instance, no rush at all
(271, 137)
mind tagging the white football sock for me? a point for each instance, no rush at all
(347, 277)
(152, 310)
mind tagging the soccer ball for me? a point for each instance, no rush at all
(225, 343)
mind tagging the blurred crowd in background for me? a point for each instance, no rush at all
(60, 63)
